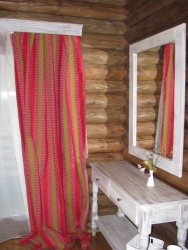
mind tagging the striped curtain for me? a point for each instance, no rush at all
(51, 105)
(166, 147)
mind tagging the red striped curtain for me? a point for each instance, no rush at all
(168, 101)
(51, 103)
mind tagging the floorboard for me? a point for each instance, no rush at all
(97, 243)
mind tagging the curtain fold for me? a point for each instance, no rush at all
(51, 101)
(14, 217)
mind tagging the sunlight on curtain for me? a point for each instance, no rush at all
(14, 218)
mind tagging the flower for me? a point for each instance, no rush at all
(142, 170)
(151, 162)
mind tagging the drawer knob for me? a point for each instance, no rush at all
(97, 179)
(118, 199)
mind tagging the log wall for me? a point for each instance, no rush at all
(108, 27)
(149, 18)
(149, 79)
(103, 44)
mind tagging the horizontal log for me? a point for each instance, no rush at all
(105, 116)
(103, 42)
(186, 139)
(120, 3)
(108, 57)
(105, 87)
(145, 137)
(126, 140)
(126, 125)
(67, 9)
(157, 49)
(149, 87)
(185, 160)
(89, 173)
(100, 41)
(101, 26)
(149, 58)
(146, 74)
(186, 118)
(186, 96)
(148, 101)
(146, 142)
(146, 128)
(146, 10)
(116, 73)
(107, 157)
(101, 131)
(147, 115)
(167, 20)
(105, 102)
(135, 4)
(89, 25)
(106, 3)
(105, 145)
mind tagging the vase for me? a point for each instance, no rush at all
(150, 182)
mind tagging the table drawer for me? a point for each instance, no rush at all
(101, 180)
(124, 202)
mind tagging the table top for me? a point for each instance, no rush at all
(127, 177)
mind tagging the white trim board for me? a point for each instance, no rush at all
(18, 25)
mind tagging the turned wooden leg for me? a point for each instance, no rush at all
(143, 242)
(94, 214)
(181, 236)
(144, 228)
(182, 225)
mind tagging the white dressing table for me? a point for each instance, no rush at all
(142, 205)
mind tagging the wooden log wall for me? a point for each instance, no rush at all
(103, 44)
(149, 79)
(148, 18)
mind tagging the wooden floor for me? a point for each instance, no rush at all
(97, 243)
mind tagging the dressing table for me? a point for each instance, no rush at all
(139, 206)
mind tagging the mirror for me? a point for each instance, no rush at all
(145, 96)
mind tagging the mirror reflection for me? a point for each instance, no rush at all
(152, 121)
(155, 94)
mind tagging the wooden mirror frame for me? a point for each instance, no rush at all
(175, 35)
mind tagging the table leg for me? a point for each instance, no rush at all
(94, 214)
(143, 242)
(181, 236)
(144, 228)
(182, 225)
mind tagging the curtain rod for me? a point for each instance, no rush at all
(18, 25)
